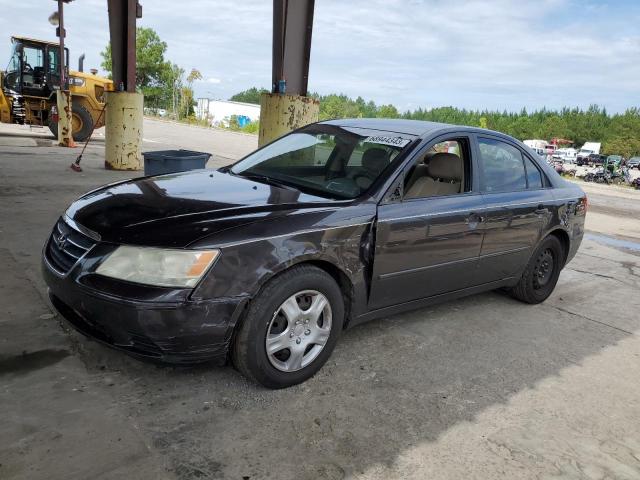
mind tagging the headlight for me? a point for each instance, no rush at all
(158, 266)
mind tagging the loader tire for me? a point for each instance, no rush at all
(82, 123)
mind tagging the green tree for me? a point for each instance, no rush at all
(150, 62)
(619, 134)
(251, 95)
(387, 111)
(172, 78)
(187, 100)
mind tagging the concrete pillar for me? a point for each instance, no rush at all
(279, 114)
(123, 142)
(65, 119)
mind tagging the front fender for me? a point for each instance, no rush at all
(243, 268)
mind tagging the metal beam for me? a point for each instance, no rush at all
(292, 28)
(122, 29)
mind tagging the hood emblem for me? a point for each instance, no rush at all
(61, 240)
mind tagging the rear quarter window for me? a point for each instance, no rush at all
(534, 176)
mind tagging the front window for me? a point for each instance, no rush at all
(326, 160)
(33, 58)
(12, 76)
(443, 170)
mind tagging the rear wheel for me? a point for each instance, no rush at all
(82, 123)
(290, 329)
(542, 272)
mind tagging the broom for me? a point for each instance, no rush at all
(75, 166)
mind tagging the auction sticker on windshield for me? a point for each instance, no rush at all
(384, 140)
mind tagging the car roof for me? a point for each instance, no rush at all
(418, 128)
(34, 40)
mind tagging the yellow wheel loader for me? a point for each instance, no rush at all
(28, 89)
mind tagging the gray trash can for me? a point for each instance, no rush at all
(172, 161)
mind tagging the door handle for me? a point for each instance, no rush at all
(541, 209)
(473, 220)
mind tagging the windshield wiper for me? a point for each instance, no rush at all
(264, 179)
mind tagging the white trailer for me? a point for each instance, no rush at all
(589, 148)
(219, 112)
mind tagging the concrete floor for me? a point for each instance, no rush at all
(484, 387)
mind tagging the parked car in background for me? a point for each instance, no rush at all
(569, 154)
(596, 159)
(265, 262)
(582, 158)
(589, 148)
(633, 162)
(539, 152)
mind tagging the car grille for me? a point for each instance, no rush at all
(66, 246)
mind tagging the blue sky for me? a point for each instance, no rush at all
(495, 54)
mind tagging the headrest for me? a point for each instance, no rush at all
(375, 159)
(446, 166)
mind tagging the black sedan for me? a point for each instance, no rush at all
(266, 261)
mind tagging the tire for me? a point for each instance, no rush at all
(532, 287)
(82, 118)
(272, 318)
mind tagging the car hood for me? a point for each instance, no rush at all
(177, 209)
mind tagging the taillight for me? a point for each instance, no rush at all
(54, 114)
(581, 207)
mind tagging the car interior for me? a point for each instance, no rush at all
(443, 170)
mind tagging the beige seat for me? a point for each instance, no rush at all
(442, 176)
(374, 161)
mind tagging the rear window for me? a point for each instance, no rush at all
(503, 166)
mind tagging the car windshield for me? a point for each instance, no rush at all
(326, 160)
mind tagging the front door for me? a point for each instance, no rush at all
(428, 243)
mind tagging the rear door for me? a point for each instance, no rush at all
(517, 205)
(428, 245)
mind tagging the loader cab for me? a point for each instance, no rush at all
(34, 67)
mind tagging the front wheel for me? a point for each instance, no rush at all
(542, 272)
(81, 123)
(290, 328)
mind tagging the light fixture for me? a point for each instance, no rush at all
(54, 19)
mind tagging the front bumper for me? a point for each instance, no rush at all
(153, 323)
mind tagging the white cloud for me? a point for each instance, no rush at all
(214, 80)
(468, 53)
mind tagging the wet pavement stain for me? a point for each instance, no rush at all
(613, 242)
(28, 362)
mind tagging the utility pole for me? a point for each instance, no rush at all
(288, 107)
(124, 105)
(63, 95)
